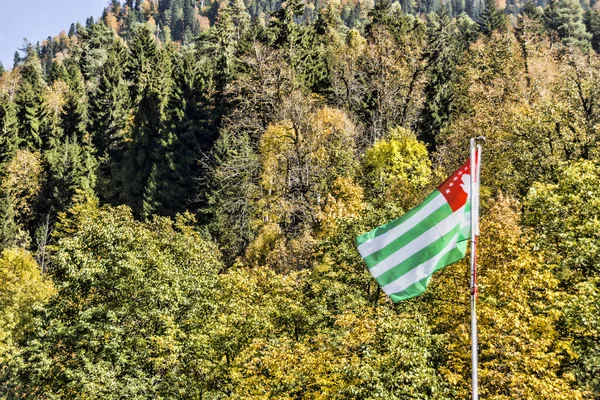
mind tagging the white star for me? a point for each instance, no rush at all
(447, 191)
(455, 178)
(460, 173)
(452, 183)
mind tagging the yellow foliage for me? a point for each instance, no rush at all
(56, 98)
(111, 21)
(301, 157)
(520, 348)
(345, 200)
(148, 8)
(397, 167)
(23, 181)
(22, 286)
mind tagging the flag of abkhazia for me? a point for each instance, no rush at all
(403, 254)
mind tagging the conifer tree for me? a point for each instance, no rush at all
(8, 227)
(313, 67)
(190, 22)
(491, 19)
(379, 15)
(9, 130)
(531, 11)
(71, 167)
(30, 101)
(1, 68)
(75, 116)
(57, 72)
(72, 30)
(177, 24)
(565, 17)
(16, 59)
(239, 17)
(95, 42)
(190, 132)
(592, 24)
(109, 113)
(142, 55)
(443, 53)
(139, 173)
(286, 32)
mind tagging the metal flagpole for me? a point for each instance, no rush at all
(475, 161)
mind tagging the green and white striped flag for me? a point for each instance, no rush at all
(403, 254)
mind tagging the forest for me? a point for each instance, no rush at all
(182, 184)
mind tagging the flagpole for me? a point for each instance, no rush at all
(475, 160)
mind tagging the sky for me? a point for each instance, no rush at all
(38, 19)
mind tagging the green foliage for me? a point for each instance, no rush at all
(190, 134)
(30, 103)
(9, 129)
(144, 159)
(491, 19)
(8, 228)
(72, 169)
(591, 20)
(23, 290)
(288, 131)
(397, 168)
(132, 301)
(233, 183)
(564, 218)
(565, 17)
(444, 52)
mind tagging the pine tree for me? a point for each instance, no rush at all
(9, 130)
(219, 46)
(147, 149)
(16, 60)
(531, 11)
(285, 31)
(565, 17)
(109, 113)
(8, 226)
(2, 70)
(142, 55)
(177, 24)
(491, 19)
(75, 118)
(95, 43)
(191, 132)
(72, 30)
(443, 53)
(239, 17)
(30, 101)
(109, 103)
(379, 15)
(311, 61)
(57, 72)
(592, 24)
(71, 169)
(190, 22)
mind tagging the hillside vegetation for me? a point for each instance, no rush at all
(181, 185)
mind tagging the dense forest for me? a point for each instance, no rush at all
(182, 183)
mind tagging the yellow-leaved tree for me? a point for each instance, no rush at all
(307, 173)
(397, 169)
(521, 350)
(22, 288)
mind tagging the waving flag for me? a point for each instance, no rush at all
(403, 254)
